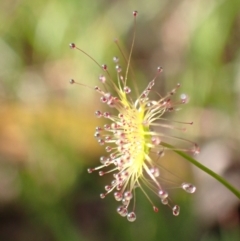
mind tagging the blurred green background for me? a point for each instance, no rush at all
(47, 125)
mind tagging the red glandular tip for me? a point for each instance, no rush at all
(104, 66)
(72, 45)
(71, 81)
(135, 13)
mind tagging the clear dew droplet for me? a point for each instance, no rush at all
(71, 81)
(155, 209)
(90, 170)
(184, 98)
(155, 171)
(164, 201)
(122, 211)
(103, 159)
(108, 187)
(119, 186)
(102, 195)
(135, 13)
(160, 69)
(112, 155)
(176, 210)
(196, 149)
(127, 90)
(101, 173)
(125, 202)
(119, 209)
(188, 187)
(163, 194)
(72, 45)
(97, 134)
(108, 149)
(107, 138)
(104, 66)
(102, 78)
(118, 68)
(128, 195)
(156, 140)
(115, 59)
(103, 99)
(106, 114)
(118, 196)
(131, 217)
(98, 128)
(107, 127)
(101, 142)
(98, 114)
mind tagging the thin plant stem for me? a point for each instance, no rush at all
(205, 169)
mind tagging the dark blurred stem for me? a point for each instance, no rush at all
(205, 169)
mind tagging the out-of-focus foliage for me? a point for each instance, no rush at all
(47, 126)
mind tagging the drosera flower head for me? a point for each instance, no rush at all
(133, 147)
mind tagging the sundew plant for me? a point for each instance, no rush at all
(132, 145)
